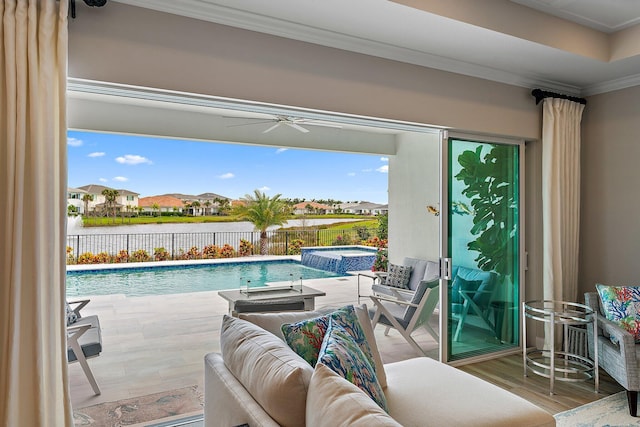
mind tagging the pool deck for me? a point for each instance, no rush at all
(157, 343)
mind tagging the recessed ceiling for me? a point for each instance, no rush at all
(594, 48)
(603, 15)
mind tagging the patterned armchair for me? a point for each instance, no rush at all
(618, 360)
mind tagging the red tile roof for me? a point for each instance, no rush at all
(162, 201)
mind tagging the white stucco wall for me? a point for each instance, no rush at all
(414, 182)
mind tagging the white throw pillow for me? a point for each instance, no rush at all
(333, 401)
(272, 373)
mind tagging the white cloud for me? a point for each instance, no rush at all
(96, 154)
(281, 150)
(384, 159)
(120, 179)
(132, 159)
(74, 142)
(227, 175)
(367, 170)
(383, 169)
(103, 180)
(263, 189)
(351, 174)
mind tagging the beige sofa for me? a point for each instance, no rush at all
(257, 380)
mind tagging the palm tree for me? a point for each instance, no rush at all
(207, 205)
(110, 197)
(86, 199)
(155, 208)
(195, 205)
(263, 212)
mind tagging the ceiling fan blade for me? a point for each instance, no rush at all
(323, 124)
(252, 123)
(272, 128)
(297, 127)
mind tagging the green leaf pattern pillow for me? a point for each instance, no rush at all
(305, 337)
(622, 305)
(343, 355)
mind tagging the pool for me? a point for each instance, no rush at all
(339, 259)
(176, 279)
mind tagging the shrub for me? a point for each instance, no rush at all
(192, 253)
(123, 256)
(211, 251)
(70, 258)
(376, 242)
(342, 239)
(161, 254)
(101, 258)
(382, 260)
(140, 256)
(295, 247)
(363, 232)
(246, 248)
(86, 258)
(227, 251)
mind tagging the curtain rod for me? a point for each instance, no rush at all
(540, 94)
(92, 3)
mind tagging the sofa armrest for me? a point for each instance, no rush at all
(227, 402)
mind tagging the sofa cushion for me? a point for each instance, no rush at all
(341, 354)
(333, 401)
(273, 322)
(425, 392)
(272, 373)
(305, 337)
(622, 305)
(398, 276)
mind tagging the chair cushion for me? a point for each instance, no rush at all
(272, 373)
(418, 268)
(305, 337)
(459, 284)
(341, 353)
(333, 401)
(91, 341)
(398, 276)
(622, 305)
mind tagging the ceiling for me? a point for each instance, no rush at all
(578, 47)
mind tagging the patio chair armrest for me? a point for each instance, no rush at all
(376, 299)
(76, 331)
(81, 304)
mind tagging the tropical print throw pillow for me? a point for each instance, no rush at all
(622, 305)
(343, 355)
(305, 337)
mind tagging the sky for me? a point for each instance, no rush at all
(153, 166)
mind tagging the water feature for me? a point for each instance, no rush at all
(339, 259)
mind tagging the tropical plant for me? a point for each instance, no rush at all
(494, 201)
(86, 199)
(227, 251)
(155, 208)
(140, 256)
(295, 247)
(211, 251)
(382, 260)
(263, 212)
(123, 256)
(161, 254)
(110, 196)
(383, 226)
(246, 248)
(207, 206)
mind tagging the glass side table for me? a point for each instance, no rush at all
(561, 365)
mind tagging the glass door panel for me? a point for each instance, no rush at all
(482, 247)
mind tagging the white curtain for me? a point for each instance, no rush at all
(561, 197)
(33, 73)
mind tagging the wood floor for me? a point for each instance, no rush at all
(157, 343)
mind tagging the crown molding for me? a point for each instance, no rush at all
(611, 85)
(224, 15)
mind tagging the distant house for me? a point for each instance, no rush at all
(126, 201)
(201, 204)
(74, 198)
(164, 204)
(364, 208)
(311, 208)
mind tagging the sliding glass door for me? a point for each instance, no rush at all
(481, 246)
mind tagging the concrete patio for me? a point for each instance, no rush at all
(157, 343)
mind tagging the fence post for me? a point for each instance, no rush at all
(173, 241)
(77, 246)
(128, 243)
(286, 243)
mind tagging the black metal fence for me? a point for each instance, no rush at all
(101, 248)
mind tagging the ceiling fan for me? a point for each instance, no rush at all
(279, 120)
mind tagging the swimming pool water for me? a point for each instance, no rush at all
(186, 278)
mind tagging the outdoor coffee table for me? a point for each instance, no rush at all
(271, 298)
